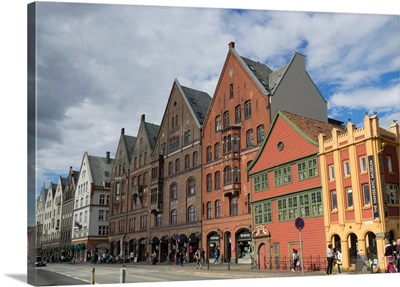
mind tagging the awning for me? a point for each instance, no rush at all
(71, 247)
(80, 246)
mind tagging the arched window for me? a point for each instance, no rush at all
(191, 213)
(217, 151)
(217, 179)
(247, 109)
(249, 138)
(208, 154)
(191, 187)
(209, 182)
(170, 168)
(217, 123)
(174, 216)
(195, 158)
(174, 191)
(226, 119)
(187, 162)
(177, 165)
(260, 133)
(238, 114)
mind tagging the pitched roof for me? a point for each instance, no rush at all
(130, 142)
(310, 127)
(198, 101)
(100, 169)
(260, 71)
(152, 133)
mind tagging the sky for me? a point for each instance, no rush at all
(100, 67)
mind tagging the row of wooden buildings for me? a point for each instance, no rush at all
(232, 173)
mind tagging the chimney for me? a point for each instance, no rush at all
(108, 157)
(142, 118)
(232, 44)
(122, 131)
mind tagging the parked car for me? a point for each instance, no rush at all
(40, 261)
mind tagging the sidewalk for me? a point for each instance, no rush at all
(225, 269)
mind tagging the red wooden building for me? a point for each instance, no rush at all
(285, 185)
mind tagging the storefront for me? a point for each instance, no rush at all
(243, 246)
(213, 244)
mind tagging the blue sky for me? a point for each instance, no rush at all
(91, 61)
(99, 66)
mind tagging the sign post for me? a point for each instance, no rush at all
(299, 223)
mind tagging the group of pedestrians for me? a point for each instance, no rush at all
(392, 254)
(200, 257)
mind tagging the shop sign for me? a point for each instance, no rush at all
(372, 181)
(244, 236)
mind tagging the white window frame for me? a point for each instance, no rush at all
(346, 168)
(363, 164)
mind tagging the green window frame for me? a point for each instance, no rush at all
(307, 204)
(283, 175)
(263, 212)
(307, 169)
(261, 182)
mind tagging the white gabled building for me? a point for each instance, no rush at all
(48, 234)
(91, 207)
(40, 208)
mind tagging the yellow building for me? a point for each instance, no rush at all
(360, 184)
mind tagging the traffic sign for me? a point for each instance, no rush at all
(299, 222)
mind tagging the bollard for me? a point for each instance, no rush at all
(208, 264)
(93, 275)
(229, 264)
(122, 275)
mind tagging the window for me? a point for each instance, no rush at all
(103, 230)
(174, 216)
(305, 205)
(307, 169)
(260, 134)
(163, 148)
(389, 163)
(217, 180)
(227, 175)
(174, 144)
(238, 113)
(249, 138)
(187, 162)
(170, 168)
(331, 172)
(177, 165)
(191, 214)
(334, 199)
(159, 220)
(174, 192)
(247, 109)
(217, 209)
(101, 215)
(87, 200)
(226, 119)
(191, 187)
(195, 158)
(209, 209)
(346, 168)
(283, 176)
(233, 206)
(176, 121)
(363, 164)
(209, 182)
(217, 151)
(235, 175)
(349, 197)
(208, 154)
(217, 123)
(102, 199)
(231, 91)
(392, 192)
(366, 194)
(261, 182)
(263, 213)
(186, 138)
(235, 143)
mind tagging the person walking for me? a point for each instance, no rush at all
(338, 259)
(197, 256)
(329, 257)
(389, 257)
(177, 258)
(295, 257)
(202, 256)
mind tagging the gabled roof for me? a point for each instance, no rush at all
(100, 169)
(130, 143)
(275, 77)
(306, 127)
(260, 71)
(198, 103)
(152, 133)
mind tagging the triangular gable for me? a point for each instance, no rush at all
(295, 135)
